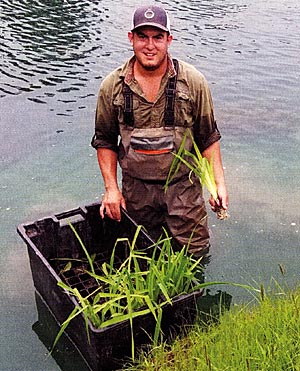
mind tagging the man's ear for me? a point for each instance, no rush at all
(170, 39)
(130, 37)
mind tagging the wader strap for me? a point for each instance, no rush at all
(128, 105)
(169, 106)
(170, 98)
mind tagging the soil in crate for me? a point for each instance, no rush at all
(75, 274)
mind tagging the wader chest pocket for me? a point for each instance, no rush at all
(152, 146)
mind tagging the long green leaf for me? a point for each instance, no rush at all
(64, 326)
(157, 331)
(90, 260)
(174, 168)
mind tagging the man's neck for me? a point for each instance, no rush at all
(144, 73)
(149, 81)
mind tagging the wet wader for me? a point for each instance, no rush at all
(145, 160)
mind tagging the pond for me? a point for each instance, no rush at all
(53, 57)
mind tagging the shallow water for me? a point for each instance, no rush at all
(53, 56)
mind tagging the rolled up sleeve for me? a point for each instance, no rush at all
(206, 130)
(106, 123)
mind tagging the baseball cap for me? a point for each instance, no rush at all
(151, 15)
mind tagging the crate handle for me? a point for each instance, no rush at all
(73, 216)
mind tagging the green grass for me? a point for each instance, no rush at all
(264, 337)
(142, 284)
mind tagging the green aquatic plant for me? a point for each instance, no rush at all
(198, 165)
(143, 284)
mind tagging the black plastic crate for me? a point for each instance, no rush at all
(51, 240)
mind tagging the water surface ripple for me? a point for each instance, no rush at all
(48, 44)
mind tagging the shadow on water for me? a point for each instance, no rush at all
(68, 357)
(65, 353)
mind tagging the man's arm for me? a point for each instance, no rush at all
(213, 153)
(113, 198)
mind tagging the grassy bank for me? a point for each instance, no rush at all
(264, 337)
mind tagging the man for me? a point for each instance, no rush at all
(149, 103)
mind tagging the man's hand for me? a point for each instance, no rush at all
(112, 202)
(213, 153)
(113, 198)
(222, 201)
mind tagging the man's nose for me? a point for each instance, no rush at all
(150, 44)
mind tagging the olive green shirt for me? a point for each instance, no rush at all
(193, 105)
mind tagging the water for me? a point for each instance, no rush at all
(53, 56)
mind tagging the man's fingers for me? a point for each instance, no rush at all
(102, 210)
(113, 212)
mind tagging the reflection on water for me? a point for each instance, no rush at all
(46, 328)
(48, 43)
(206, 9)
(53, 43)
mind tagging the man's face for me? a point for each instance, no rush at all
(150, 46)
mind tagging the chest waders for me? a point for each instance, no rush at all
(170, 93)
(147, 152)
(145, 160)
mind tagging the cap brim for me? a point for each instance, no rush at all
(152, 25)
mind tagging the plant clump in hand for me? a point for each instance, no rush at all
(201, 167)
(222, 213)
